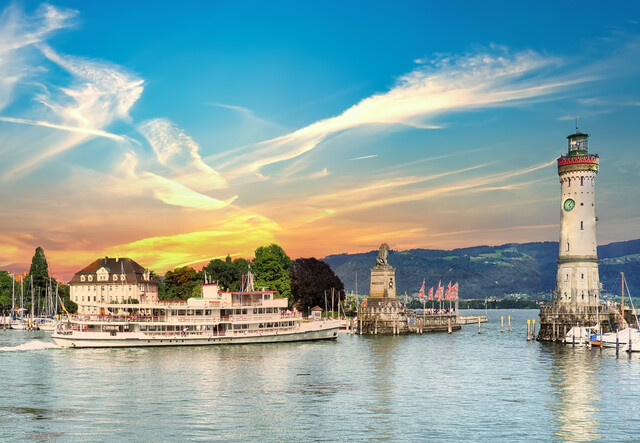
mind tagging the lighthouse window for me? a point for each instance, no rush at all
(567, 246)
(569, 182)
(582, 226)
(581, 181)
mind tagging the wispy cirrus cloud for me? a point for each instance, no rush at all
(419, 98)
(18, 34)
(177, 151)
(166, 190)
(98, 94)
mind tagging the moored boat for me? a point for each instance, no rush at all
(216, 318)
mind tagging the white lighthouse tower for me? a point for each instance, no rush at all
(578, 281)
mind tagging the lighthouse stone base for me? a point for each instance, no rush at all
(557, 320)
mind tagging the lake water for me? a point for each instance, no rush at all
(465, 386)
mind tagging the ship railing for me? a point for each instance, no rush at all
(262, 317)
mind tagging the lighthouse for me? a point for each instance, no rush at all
(576, 300)
(578, 282)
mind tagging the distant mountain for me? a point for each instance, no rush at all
(487, 271)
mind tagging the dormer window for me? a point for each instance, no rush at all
(90, 278)
(82, 278)
(115, 277)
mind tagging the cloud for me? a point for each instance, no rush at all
(17, 34)
(164, 189)
(420, 97)
(175, 149)
(364, 157)
(87, 131)
(97, 94)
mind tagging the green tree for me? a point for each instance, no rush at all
(227, 273)
(39, 270)
(5, 291)
(311, 281)
(272, 268)
(180, 283)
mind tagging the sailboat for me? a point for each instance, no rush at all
(17, 317)
(627, 337)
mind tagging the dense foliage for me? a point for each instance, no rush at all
(39, 270)
(272, 267)
(227, 273)
(180, 284)
(313, 282)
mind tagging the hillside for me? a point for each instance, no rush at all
(487, 271)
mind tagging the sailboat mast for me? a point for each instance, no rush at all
(622, 304)
(13, 294)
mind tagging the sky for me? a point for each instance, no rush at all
(176, 133)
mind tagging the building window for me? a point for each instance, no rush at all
(569, 181)
(90, 278)
(581, 181)
(82, 278)
(581, 225)
(115, 277)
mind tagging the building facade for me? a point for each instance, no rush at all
(110, 281)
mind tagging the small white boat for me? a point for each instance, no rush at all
(578, 335)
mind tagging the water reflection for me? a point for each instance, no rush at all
(576, 392)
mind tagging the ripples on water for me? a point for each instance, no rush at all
(462, 387)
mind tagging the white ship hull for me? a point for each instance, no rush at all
(327, 330)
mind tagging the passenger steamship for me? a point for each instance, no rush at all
(216, 318)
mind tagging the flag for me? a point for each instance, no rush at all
(421, 293)
(439, 291)
(454, 292)
(430, 296)
(447, 294)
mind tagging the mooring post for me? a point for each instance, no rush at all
(617, 344)
(479, 330)
(533, 330)
(502, 323)
(449, 328)
(509, 327)
(528, 329)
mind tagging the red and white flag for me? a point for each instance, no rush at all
(447, 294)
(421, 293)
(454, 292)
(439, 291)
(430, 296)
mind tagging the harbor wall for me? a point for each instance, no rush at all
(556, 321)
(395, 321)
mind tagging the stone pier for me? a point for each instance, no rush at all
(382, 313)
